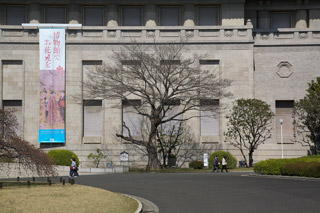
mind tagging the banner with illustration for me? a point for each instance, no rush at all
(52, 85)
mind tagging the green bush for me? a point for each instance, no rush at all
(62, 157)
(306, 169)
(273, 166)
(231, 160)
(196, 164)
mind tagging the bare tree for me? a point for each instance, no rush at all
(15, 149)
(249, 125)
(158, 75)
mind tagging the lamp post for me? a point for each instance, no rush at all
(281, 122)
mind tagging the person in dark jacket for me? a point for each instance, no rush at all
(215, 164)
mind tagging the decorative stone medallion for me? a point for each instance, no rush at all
(112, 33)
(284, 69)
(150, 34)
(264, 36)
(189, 33)
(303, 35)
(72, 33)
(228, 33)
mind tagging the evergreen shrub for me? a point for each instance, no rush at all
(306, 169)
(231, 160)
(196, 164)
(274, 166)
(62, 157)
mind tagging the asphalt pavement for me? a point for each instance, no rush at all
(214, 192)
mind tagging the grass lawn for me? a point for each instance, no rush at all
(68, 198)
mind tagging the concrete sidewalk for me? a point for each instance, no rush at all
(13, 170)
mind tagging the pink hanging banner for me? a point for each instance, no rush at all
(52, 85)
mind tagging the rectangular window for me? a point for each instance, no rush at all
(284, 111)
(209, 117)
(131, 16)
(55, 15)
(92, 117)
(93, 16)
(281, 20)
(208, 16)
(15, 15)
(15, 106)
(173, 125)
(130, 118)
(169, 16)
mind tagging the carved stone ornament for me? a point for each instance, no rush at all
(228, 33)
(72, 33)
(264, 36)
(150, 34)
(189, 33)
(33, 33)
(303, 35)
(284, 69)
(112, 33)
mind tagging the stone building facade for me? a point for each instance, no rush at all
(270, 49)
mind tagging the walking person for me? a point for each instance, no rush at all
(224, 164)
(215, 164)
(73, 168)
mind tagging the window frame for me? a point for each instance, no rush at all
(122, 13)
(92, 102)
(18, 5)
(179, 15)
(44, 18)
(131, 103)
(211, 103)
(281, 12)
(84, 15)
(278, 136)
(206, 6)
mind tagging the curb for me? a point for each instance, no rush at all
(139, 209)
(283, 177)
(147, 206)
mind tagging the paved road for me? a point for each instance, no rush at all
(211, 192)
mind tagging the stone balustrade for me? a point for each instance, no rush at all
(287, 36)
(85, 34)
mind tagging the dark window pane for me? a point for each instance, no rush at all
(131, 16)
(208, 16)
(93, 16)
(170, 16)
(280, 20)
(55, 15)
(15, 15)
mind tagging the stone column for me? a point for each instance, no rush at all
(150, 14)
(314, 17)
(188, 15)
(34, 13)
(263, 19)
(112, 15)
(301, 19)
(74, 14)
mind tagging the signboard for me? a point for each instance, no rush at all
(124, 156)
(205, 160)
(52, 85)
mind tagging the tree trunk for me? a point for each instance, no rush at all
(250, 158)
(153, 161)
(244, 157)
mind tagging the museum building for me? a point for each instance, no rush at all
(269, 49)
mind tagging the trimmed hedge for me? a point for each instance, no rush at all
(62, 157)
(274, 166)
(196, 164)
(306, 169)
(231, 160)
